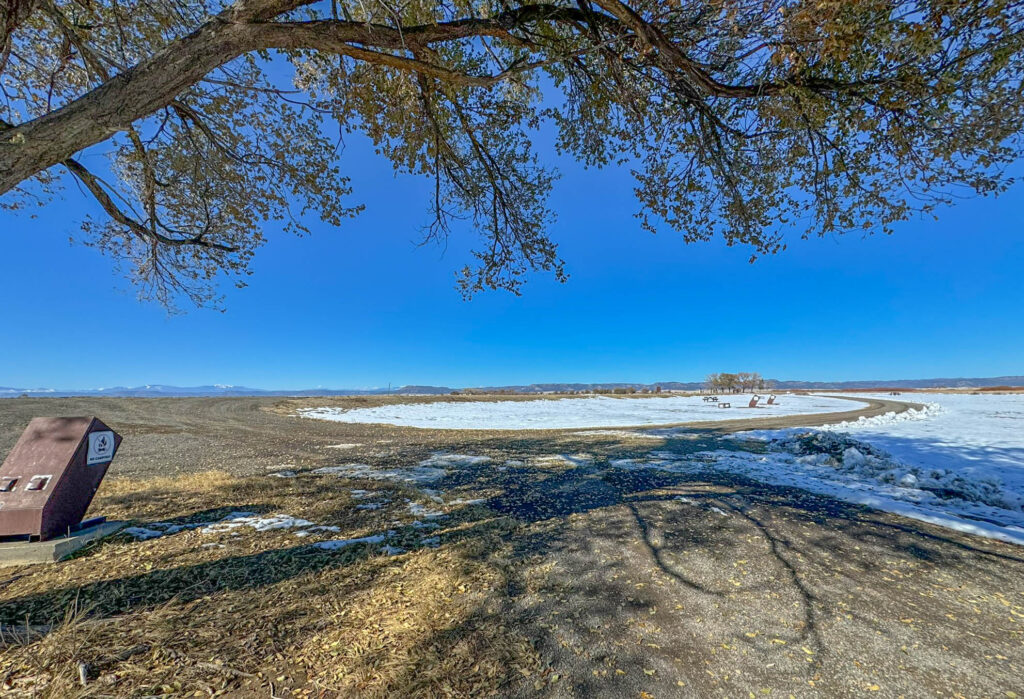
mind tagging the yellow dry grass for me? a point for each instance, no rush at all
(201, 614)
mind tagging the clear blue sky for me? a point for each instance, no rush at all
(362, 305)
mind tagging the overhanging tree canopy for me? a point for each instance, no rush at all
(739, 117)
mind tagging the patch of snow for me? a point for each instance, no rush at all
(852, 458)
(371, 505)
(561, 460)
(391, 550)
(260, 524)
(434, 495)
(425, 525)
(432, 542)
(342, 446)
(362, 494)
(624, 434)
(569, 413)
(283, 474)
(662, 461)
(337, 544)
(415, 474)
(418, 510)
(443, 460)
(142, 533)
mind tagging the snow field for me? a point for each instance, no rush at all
(570, 413)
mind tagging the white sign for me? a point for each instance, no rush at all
(101, 448)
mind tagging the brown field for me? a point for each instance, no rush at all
(566, 579)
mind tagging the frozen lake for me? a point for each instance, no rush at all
(569, 413)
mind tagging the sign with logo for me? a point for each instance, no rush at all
(101, 448)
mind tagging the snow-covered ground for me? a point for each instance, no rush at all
(567, 413)
(958, 463)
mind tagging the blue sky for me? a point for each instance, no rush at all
(363, 305)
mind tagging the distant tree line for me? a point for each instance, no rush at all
(740, 382)
(619, 391)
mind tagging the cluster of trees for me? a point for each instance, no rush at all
(736, 383)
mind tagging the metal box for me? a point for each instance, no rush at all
(52, 474)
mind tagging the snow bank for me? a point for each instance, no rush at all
(959, 462)
(595, 411)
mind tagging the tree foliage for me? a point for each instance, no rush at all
(735, 383)
(738, 118)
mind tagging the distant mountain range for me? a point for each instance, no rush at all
(160, 391)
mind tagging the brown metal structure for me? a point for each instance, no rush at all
(52, 474)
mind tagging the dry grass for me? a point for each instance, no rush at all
(170, 616)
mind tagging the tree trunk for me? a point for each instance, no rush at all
(36, 145)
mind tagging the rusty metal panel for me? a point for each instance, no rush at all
(50, 477)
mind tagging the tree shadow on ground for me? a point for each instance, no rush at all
(183, 584)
